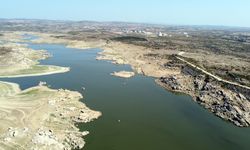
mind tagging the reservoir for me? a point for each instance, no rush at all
(137, 113)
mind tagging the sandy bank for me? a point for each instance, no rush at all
(47, 70)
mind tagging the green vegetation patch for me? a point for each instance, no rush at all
(73, 32)
(129, 39)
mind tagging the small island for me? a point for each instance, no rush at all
(123, 74)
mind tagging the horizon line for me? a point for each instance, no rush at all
(130, 22)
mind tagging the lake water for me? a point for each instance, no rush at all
(137, 113)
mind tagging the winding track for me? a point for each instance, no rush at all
(210, 74)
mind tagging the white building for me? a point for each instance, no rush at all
(160, 34)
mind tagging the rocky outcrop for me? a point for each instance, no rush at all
(228, 103)
(172, 82)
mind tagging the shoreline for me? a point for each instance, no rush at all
(227, 102)
(38, 117)
(222, 101)
(43, 118)
(62, 70)
(18, 60)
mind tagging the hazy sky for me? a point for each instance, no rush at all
(189, 12)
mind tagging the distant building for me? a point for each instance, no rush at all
(186, 34)
(160, 34)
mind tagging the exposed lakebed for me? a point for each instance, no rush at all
(137, 113)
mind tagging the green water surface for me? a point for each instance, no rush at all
(137, 113)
